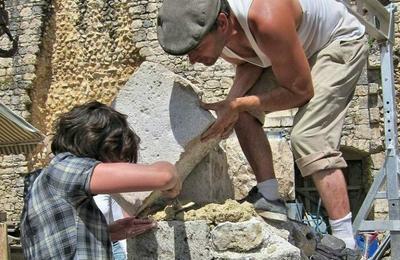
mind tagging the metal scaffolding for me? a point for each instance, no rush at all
(379, 23)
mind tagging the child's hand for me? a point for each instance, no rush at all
(129, 227)
(172, 193)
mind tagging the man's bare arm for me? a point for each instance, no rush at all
(246, 75)
(127, 177)
(273, 24)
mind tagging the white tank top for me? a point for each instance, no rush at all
(323, 21)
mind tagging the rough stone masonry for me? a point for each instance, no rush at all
(196, 240)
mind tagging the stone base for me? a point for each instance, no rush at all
(195, 240)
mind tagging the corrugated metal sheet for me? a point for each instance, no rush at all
(16, 135)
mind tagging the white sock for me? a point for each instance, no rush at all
(269, 189)
(342, 228)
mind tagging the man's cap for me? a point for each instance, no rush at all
(182, 24)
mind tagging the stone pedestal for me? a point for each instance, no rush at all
(253, 239)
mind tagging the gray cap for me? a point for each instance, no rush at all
(182, 24)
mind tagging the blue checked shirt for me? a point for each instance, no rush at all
(60, 219)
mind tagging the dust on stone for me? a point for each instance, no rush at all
(213, 213)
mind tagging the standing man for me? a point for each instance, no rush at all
(288, 53)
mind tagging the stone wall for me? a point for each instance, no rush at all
(12, 167)
(17, 79)
(73, 51)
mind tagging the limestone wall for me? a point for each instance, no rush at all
(73, 51)
(17, 79)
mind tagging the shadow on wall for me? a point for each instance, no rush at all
(175, 240)
(187, 118)
(146, 244)
(209, 181)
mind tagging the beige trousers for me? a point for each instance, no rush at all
(317, 126)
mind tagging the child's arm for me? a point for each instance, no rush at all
(128, 177)
(129, 227)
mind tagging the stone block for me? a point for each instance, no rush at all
(273, 247)
(163, 109)
(377, 160)
(237, 237)
(172, 240)
(363, 102)
(253, 239)
(361, 90)
(362, 132)
(363, 80)
(375, 115)
(373, 88)
(374, 59)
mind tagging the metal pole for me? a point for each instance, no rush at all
(391, 138)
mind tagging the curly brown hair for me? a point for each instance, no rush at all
(96, 131)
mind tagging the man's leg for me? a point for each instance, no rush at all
(255, 146)
(265, 199)
(316, 134)
(257, 150)
(331, 186)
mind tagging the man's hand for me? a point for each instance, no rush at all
(173, 192)
(227, 116)
(129, 227)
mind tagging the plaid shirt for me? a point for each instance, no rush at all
(60, 219)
